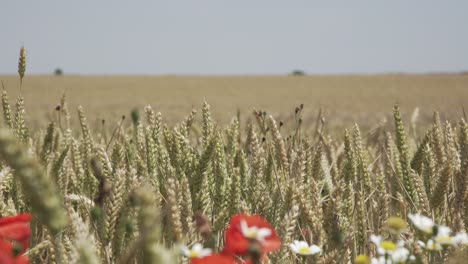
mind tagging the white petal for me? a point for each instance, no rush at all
(185, 251)
(400, 243)
(381, 251)
(244, 227)
(461, 238)
(205, 252)
(376, 239)
(197, 247)
(182, 247)
(400, 255)
(421, 222)
(263, 232)
(431, 245)
(443, 231)
(315, 249)
(303, 244)
(293, 247)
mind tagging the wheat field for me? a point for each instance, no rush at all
(193, 169)
(345, 99)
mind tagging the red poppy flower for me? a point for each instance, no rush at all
(245, 228)
(15, 229)
(8, 254)
(214, 259)
(7, 259)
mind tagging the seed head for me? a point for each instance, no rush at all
(22, 63)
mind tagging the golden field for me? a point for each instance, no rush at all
(345, 99)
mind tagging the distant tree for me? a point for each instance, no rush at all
(58, 72)
(298, 73)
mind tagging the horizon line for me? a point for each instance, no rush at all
(72, 74)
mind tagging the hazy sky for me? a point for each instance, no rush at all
(235, 37)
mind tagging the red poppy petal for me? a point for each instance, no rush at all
(236, 219)
(16, 231)
(252, 220)
(6, 248)
(7, 259)
(16, 228)
(255, 220)
(21, 218)
(214, 259)
(21, 260)
(236, 243)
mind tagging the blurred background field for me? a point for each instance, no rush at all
(364, 99)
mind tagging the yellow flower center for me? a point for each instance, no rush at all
(396, 223)
(251, 233)
(444, 240)
(362, 259)
(304, 251)
(388, 245)
(194, 254)
(432, 247)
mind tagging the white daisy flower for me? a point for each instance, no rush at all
(423, 223)
(381, 260)
(197, 251)
(401, 255)
(254, 232)
(376, 239)
(400, 243)
(303, 248)
(443, 236)
(383, 246)
(443, 230)
(430, 245)
(444, 240)
(460, 239)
